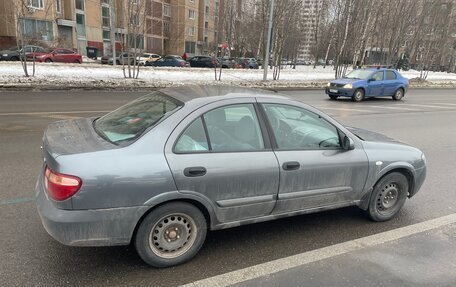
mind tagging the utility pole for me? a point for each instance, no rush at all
(112, 6)
(266, 60)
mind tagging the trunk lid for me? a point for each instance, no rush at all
(72, 137)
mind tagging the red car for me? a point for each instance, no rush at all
(56, 55)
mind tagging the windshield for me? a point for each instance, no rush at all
(129, 121)
(359, 74)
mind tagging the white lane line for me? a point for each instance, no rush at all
(444, 104)
(427, 106)
(50, 113)
(282, 264)
(393, 108)
(340, 109)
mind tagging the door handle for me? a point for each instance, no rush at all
(195, 171)
(291, 165)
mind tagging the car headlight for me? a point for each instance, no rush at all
(328, 85)
(5, 55)
(348, 86)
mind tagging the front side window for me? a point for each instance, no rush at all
(378, 76)
(128, 122)
(295, 128)
(230, 128)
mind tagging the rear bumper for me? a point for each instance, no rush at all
(96, 227)
(340, 92)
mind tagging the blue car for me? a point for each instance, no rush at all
(370, 82)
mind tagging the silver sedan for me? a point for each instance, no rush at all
(163, 169)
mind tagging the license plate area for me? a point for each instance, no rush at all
(333, 91)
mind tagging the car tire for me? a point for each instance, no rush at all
(388, 197)
(48, 61)
(332, 97)
(171, 234)
(358, 95)
(398, 95)
(14, 59)
(117, 62)
(76, 62)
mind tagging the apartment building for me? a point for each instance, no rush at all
(167, 26)
(309, 16)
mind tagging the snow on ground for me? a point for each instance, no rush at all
(92, 75)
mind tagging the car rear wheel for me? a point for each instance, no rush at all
(388, 197)
(76, 62)
(14, 59)
(332, 97)
(48, 61)
(171, 234)
(358, 95)
(398, 95)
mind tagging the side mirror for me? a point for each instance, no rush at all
(348, 143)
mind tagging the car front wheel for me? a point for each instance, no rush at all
(358, 95)
(171, 234)
(332, 97)
(398, 95)
(388, 197)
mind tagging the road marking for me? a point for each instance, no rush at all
(393, 108)
(50, 113)
(16, 200)
(301, 259)
(426, 106)
(444, 104)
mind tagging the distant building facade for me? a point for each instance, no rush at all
(170, 26)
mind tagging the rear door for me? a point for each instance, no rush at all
(391, 82)
(220, 153)
(315, 171)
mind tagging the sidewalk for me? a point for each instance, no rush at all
(422, 254)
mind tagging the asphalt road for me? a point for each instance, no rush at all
(426, 118)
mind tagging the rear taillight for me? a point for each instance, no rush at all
(61, 186)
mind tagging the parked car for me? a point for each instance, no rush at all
(228, 63)
(161, 170)
(14, 53)
(148, 57)
(168, 61)
(371, 82)
(249, 63)
(57, 55)
(203, 62)
(121, 59)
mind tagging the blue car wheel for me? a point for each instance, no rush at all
(398, 95)
(358, 95)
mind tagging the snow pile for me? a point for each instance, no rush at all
(92, 75)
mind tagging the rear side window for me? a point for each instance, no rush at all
(378, 76)
(390, 75)
(233, 128)
(129, 122)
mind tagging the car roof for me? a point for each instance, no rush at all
(208, 94)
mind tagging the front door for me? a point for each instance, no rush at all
(315, 171)
(219, 153)
(375, 86)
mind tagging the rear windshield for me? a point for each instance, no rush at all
(129, 122)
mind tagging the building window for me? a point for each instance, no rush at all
(58, 6)
(38, 4)
(191, 31)
(166, 27)
(191, 14)
(106, 35)
(190, 47)
(80, 25)
(80, 5)
(41, 30)
(105, 15)
(166, 10)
